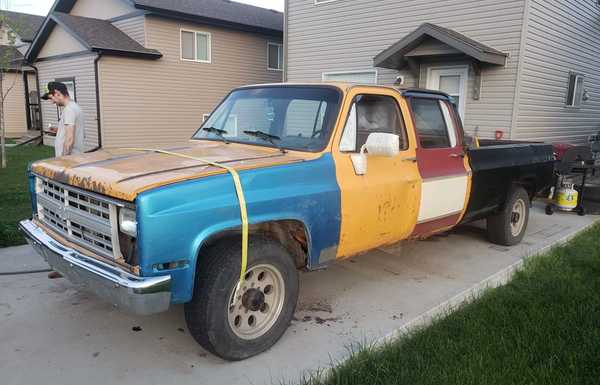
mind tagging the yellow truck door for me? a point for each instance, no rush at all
(381, 206)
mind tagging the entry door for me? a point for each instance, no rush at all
(453, 81)
(379, 207)
(442, 165)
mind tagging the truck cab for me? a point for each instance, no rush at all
(326, 171)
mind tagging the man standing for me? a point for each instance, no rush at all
(70, 134)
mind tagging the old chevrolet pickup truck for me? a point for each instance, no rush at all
(328, 171)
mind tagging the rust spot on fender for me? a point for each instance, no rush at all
(123, 174)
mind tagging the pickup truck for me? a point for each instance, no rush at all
(328, 171)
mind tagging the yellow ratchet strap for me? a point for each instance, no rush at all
(240, 194)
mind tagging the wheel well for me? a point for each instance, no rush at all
(292, 234)
(528, 184)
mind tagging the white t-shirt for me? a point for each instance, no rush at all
(71, 116)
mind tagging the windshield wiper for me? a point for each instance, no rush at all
(267, 137)
(217, 131)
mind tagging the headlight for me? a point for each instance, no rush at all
(128, 222)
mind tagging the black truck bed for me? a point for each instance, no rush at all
(498, 165)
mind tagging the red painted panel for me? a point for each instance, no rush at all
(427, 228)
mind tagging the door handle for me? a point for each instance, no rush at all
(461, 155)
(409, 159)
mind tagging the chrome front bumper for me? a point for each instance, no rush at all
(139, 295)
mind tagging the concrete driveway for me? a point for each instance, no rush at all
(53, 333)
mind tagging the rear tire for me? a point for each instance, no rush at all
(507, 228)
(238, 328)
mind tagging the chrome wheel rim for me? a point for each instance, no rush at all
(517, 217)
(258, 303)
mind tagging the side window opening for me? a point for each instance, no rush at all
(430, 123)
(370, 114)
(575, 90)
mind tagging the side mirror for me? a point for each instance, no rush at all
(377, 144)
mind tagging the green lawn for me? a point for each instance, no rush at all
(541, 328)
(14, 195)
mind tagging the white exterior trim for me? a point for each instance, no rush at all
(195, 32)
(369, 71)
(319, 2)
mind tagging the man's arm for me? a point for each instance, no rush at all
(68, 118)
(69, 139)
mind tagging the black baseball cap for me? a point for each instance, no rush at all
(55, 86)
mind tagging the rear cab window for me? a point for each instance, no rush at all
(434, 123)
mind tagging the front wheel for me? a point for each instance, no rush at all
(237, 325)
(508, 227)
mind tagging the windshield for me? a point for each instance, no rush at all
(292, 117)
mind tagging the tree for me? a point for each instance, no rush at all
(10, 61)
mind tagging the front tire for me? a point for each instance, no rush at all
(253, 321)
(507, 228)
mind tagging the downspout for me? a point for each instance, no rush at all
(98, 116)
(27, 105)
(37, 83)
(522, 48)
(285, 40)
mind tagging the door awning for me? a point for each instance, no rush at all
(448, 42)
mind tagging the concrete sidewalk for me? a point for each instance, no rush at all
(53, 333)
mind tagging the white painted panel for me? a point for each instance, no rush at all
(60, 42)
(441, 197)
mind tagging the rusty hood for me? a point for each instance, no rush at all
(124, 173)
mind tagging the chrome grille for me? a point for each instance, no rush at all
(82, 218)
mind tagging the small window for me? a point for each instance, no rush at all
(358, 77)
(204, 117)
(575, 90)
(70, 83)
(196, 46)
(370, 114)
(275, 56)
(430, 123)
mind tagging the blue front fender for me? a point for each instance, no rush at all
(175, 220)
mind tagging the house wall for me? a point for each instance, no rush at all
(60, 42)
(562, 36)
(159, 102)
(345, 35)
(135, 27)
(15, 117)
(81, 68)
(105, 9)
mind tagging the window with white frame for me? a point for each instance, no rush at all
(195, 46)
(359, 77)
(275, 56)
(575, 90)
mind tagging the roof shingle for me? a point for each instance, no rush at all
(224, 10)
(24, 25)
(101, 35)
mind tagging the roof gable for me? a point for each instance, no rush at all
(61, 42)
(102, 36)
(394, 56)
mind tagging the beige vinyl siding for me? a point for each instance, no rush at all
(60, 42)
(15, 117)
(345, 35)
(82, 69)
(101, 9)
(135, 27)
(159, 102)
(562, 36)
